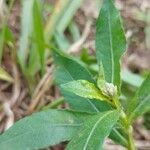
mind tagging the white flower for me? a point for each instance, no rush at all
(109, 89)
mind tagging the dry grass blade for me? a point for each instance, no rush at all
(54, 18)
(41, 88)
(5, 76)
(8, 104)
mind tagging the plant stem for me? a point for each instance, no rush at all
(131, 145)
(128, 128)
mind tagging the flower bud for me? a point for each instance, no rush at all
(109, 89)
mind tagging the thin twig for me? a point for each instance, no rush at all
(40, 90)
(142, 145)
(16, 87)
(54, 18)
(8, 104)
(10, 115)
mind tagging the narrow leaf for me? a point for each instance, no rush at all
(110, 42)
(38, 33)
(75, 69)
(117, 137)
(141, 101)
(68, 69)
(61, 40)
(74, 31)
(68, 15)
(5, 30)
(131, 78)
(93, 134)
(55, 17)
(84, 89)
(42, 130)
(26, 30)
(4, 39)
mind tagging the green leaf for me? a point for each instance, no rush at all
(61, 40)
(68, 15)
(117, 137)
(6, 36)
(85, 104)
(141, 101)
(38, 32)
(84, 89)
(37, 48)
(26, 30)
(9, 37)
(2, 41)
(76, 70)
(55, 17)
(74, 31)
(131, 78)
(93, 134)
(42, 130)
(68, 69)
(31, 44)
(110, 42)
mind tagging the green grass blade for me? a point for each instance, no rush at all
(5, 29)
(26, 30)
(5, 76)
(68, 15)
(141, 101)
(54, 19)
(38, 33)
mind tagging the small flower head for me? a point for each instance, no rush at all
(109, 89)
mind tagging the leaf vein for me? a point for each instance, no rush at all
(94, 127)
(92, 104)
(111, 47)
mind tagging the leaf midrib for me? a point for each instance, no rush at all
(94, 127)
(88, 100)
(111, 47)
(32, 130)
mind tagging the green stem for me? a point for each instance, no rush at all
(124, 121)
(128, 129)
(131, 145)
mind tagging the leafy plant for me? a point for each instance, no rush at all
(95, 111)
